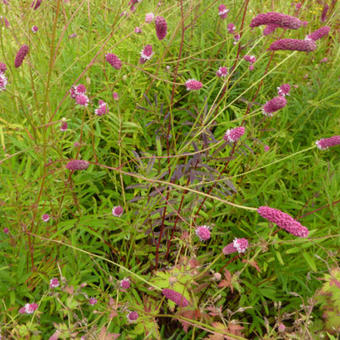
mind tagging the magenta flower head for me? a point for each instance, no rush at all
(233, 135)
(319, 33)
(76, 90)
(325, 143)
(3, 82)
(125, 283)
(102, 109)
(115, 96)
(274, 105)
(239, 245)
(63, 125)
(77, 164)
(92, 301)
(231, 28)
(132, 316)
(22, 53)
(117, 211)
(161, 28)
(193, 85)
(283, 220)
(178, 298)
(269, 29)
(54, 283)
(324, 13)
(237, 38)
(250, 58)
(222, 72)
(29, 308)
(278, 19)
(138, 30)
(146, 54)
(114, 61)
(45, 217)
(36, 4)
(82, 99)
(306, 45)
(149, 17)
(223, 11)
(35, 29)
(3, 67)
(283, 90)
(203, 232)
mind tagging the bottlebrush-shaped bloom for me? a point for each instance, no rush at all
(239, 245)
(125, 283)
(36, 4)
(193, 85)
(324, 13)
(283, 90)
(29, 308)
(132, 316)
(306, 45)
(3, 67)
(203, 232)
(45, 217)
(274, 105)
(102, 109)
(22, 53)
(223, 11)
(222, 72)
(283, 220)
(82, 99)
(269, 29)
(114, 61)
(233, 135)
(161, 28)
(176, 297)
(278, 19)
(117, 211)
(146, 54)
(250, 58)
(3, 82)
(149, 17)
(54, 283)
(319, 33)
(325, 143)
(35, 29)
(231, 28)
(77, 164)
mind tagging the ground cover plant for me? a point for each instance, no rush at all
(169, 169)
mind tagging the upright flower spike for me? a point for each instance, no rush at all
(161, 28)
(146, 54)
(193, 85)
(22, 53)
(36, 4)
(326, 143)
(176, 297)
(114, 61)
(77, 164)
(278, 19)
(269, 29)
(319, 33)
(82, 99)
(283, 90)
(3, 67)
(274, 105)
(239, 245)
(125, 283)
(54, 283)
(102, 109)
(324, 13)
(222, 72)
(307, 45)
(203, 232)
(283, 220)
(233, 135)
(223, 11)
(231, 28)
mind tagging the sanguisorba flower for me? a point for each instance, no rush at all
(307, 45)
(35, 29)
(54, 283)
(102, 109)
(325, 143)
(77, 164)
(29, 308)
(76, 90)
(132, 316)
(319, 33)
(3, 67)
(278, 19)
(3, 82)
(283, 220)
(114, 61)
(146, 54)
(45, 217)
(231, 28)
(176, 297)
(274, 105)
(324, 13)
(239, 245)
(149, 17)
(92, 301)
(125, 283)
(161, 27)
(223, 11)
(36, 4)
(222, 72)
(22, 53)
(203, 232)
(63, 125)
(117, 211)
(82, 99)
(269, 29)
(233, 135)
(283, 90)
(193, 85)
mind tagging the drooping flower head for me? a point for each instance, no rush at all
(161, 28)
(203, 232)
(307, 45)
(326, 143)
(54, 283)
(125, 283)
(193, 85)
(223, 11)
(319, 33)
(45, 217)
(269, 29)
(278, 19)
(274, 105)
(283, 220)
(222, 72)
(149, 17)
(231, 28)
(176, 297)
(102, 109)
(36, 4)
(146, 54)
(77, 164)
(3, 82)
(114, 61)
(29, 308)
(233, 135)
(283, 90)
(22, 53)
(117, 211)
(239, 245)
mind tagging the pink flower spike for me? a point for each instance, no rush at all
(3, 82)
(222, 72)
(269, 29)
(28, 308)
(77, 164)
(35, 29)
(54, 283)
(278, 19)
(233, 135)
(149, 17)
(3, 67)
(283, 220)
(193, 85)
(266, 148)
(239, 245)
(117, 211)
(176, 297)
(231, 28)
(251, 67)
(22, 53)
(237, 38)
(4, 21)
(307, 45)
(203, 232)
(161, 28)
(132, 316)
(36, 4)
(223, 11)
(45, 217)
(283, 90)
(92, 301)
(63, 125)
(318, 34)
(250, 58)
(82, 100)
(146, 54)
(102, 109)
(326, 143)
(274, 105)
(138, 30)
(125, 283)
(114, 61)
(324, 13)
(80, 89)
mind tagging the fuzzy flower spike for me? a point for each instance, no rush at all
(307, 45)
(277, 19)
(325, 143)
(22, 53)
(77, 164)
(223, 11)
(283, 220)
(203, 232)
(239, 245)
(193, 85)
(318, 34)
(146, 54)
(176, 297)
(233, 135)
(274, 105)
(161, 28)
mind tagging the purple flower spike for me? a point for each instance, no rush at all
(239, 245)
(274, 105)
(269, 29)
(117, 211)
(82, 99)
(3, 82)
(283, 90)
(233, 135)
(3, 67)
(29, 308)
(36, 4)
(125, 283)
(324, 13)
(278, 19)
(307, 45)
(223, 11)
(231, 28)
(283, 220)
(193, 85)
(203, 232)
(114, 61)
(132, 316)
(146, 54)
(77, 164)
(54, 283)
(22, 53)
(325, 143)
(319, 33)
(222, 72)
(161, 28)
(178, 298)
